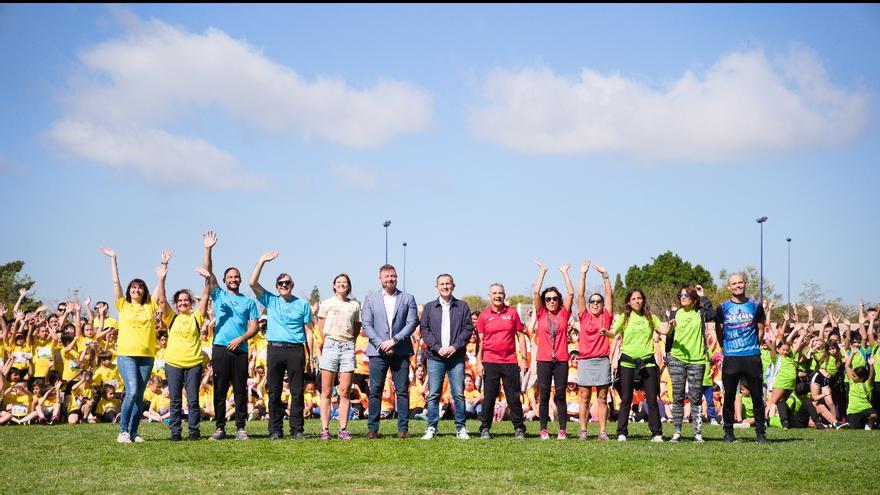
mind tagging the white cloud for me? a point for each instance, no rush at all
(158, 76)
(353, 176)
(744, 105)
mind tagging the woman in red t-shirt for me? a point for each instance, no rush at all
(594, 367)
(551, 336)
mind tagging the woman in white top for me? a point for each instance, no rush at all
(338, 325)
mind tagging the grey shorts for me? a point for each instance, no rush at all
(337, 357)
(594, 372)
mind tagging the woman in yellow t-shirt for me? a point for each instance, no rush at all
(17, 404)
(136, 344)
(183, 357)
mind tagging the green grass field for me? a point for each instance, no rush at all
(87, 459)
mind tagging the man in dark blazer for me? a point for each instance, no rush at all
(389, 318)
(446, 330)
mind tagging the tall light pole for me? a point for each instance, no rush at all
(404, 266)
(386, 225)
(788, 239)
(761, 287)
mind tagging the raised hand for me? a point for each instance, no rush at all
(565, 268)
(601, 269)
(19, 315)
(270, 256)
(162, 270)
(808, 307)
(166, 255)
(210, 239)
(204, 273)
(22, 292)
(109, 252)
(87, 302)
(700, 291)
(541, 266)
(585, 266)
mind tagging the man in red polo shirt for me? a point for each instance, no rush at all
(498, 326)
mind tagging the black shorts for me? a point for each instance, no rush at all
(820, 380)
(860, 419)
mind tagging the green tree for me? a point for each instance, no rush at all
(476, 303)
(661, 278)
(10, 283)
(619, 292)
(315, 296)
(519, 299)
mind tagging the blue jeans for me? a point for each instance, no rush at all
(379, 366)
(180, 379)
(135, 371)
(437, 371)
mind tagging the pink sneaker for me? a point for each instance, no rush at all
(562, 435)
(545, 435)
(343, 435)
(325, 434)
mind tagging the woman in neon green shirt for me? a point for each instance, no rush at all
(638, 327)
(786, 352)
(687, 355)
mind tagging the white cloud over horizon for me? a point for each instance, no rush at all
(745, 105)
(133, 90)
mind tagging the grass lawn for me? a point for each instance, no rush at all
(87, 459)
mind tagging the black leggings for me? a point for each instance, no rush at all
(557, 372)
(651, 385)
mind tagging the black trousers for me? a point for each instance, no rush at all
(230, 367)
(493, 374)
(748, 368)
(557, 372)
(289, 358)
(651, 386)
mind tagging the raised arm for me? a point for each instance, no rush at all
(21, 293)
(114, 272)
(254, 281)
(160, 296)
(609, 292)
(536, 292)
(582, 287)
(210, 239)
(569, 296)
(206, 293)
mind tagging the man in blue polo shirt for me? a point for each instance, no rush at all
(236, 323)
(289, 334)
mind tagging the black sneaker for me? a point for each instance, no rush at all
(728, 437)
(218, 435)
(762, 439)
(176, 438)
(275, 436)
(195, 437)
(519, 434)
(484, 435)
(298, 436)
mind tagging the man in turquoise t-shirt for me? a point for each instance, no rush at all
(289, 335)
(237, 317)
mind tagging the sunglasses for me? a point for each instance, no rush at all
(595, 301)
(285, 283)
(684, 294)
(551, 299)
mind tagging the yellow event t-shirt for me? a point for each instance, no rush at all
(137, 335)
(184, 348)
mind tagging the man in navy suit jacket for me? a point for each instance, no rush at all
(446, 329)
(388, 319)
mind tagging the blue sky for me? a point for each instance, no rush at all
(490, 135)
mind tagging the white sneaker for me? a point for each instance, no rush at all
(123, 437)
(138, 439)
(868, 427)
(675, 437)
(657, 439)
(621, 438)
(698, 438)
(462, 434)
(429, 433)
(713, 422)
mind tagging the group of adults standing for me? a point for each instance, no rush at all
(389, 317)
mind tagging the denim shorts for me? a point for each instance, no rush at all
(337, 357)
